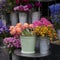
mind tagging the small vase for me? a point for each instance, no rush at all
(44, 45)
(28, 44)
(22, 17)
(13, 18)
(14, 57)
(35, 16)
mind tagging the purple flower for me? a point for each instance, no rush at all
(2, 3)
(25, 1)
(29, 6)
(52, 8)
(1, 29)
(17, 2)
(26, 8)
(12, 42)
(57, 7)
(37, 4)
(4, 30)
(21, 8)
(16, 8)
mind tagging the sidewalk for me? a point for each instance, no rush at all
(3, 54)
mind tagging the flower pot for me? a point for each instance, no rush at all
(44, 45)
(22, 17)
(28, 44)
(35, 16)
(13, 18)
(58, 33)
(14, 57)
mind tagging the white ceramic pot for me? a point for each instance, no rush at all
(22, 17)
(28, 44)
(13, 18)
(44, 45)
(35, 16)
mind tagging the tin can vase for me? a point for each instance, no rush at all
(44, 45)
(22, 17)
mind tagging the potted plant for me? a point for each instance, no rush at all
(4, 32)
(27, 7)
(12, 43)
(36, 11)
(55, 17)
(23, 8)
(45, 31)
(26, 35)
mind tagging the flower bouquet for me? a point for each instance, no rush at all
(45, 32)
(26, 5)
(4, 32)
(25, 31)
(44, 28)
(55, 16)
(22, 29)
(11, 44)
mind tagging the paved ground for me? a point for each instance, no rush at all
(3, 54)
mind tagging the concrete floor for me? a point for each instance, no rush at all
(3, 54)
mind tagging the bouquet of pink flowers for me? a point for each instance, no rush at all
(42, 21)
(26, 5)
(44, 28)
(12, 43)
